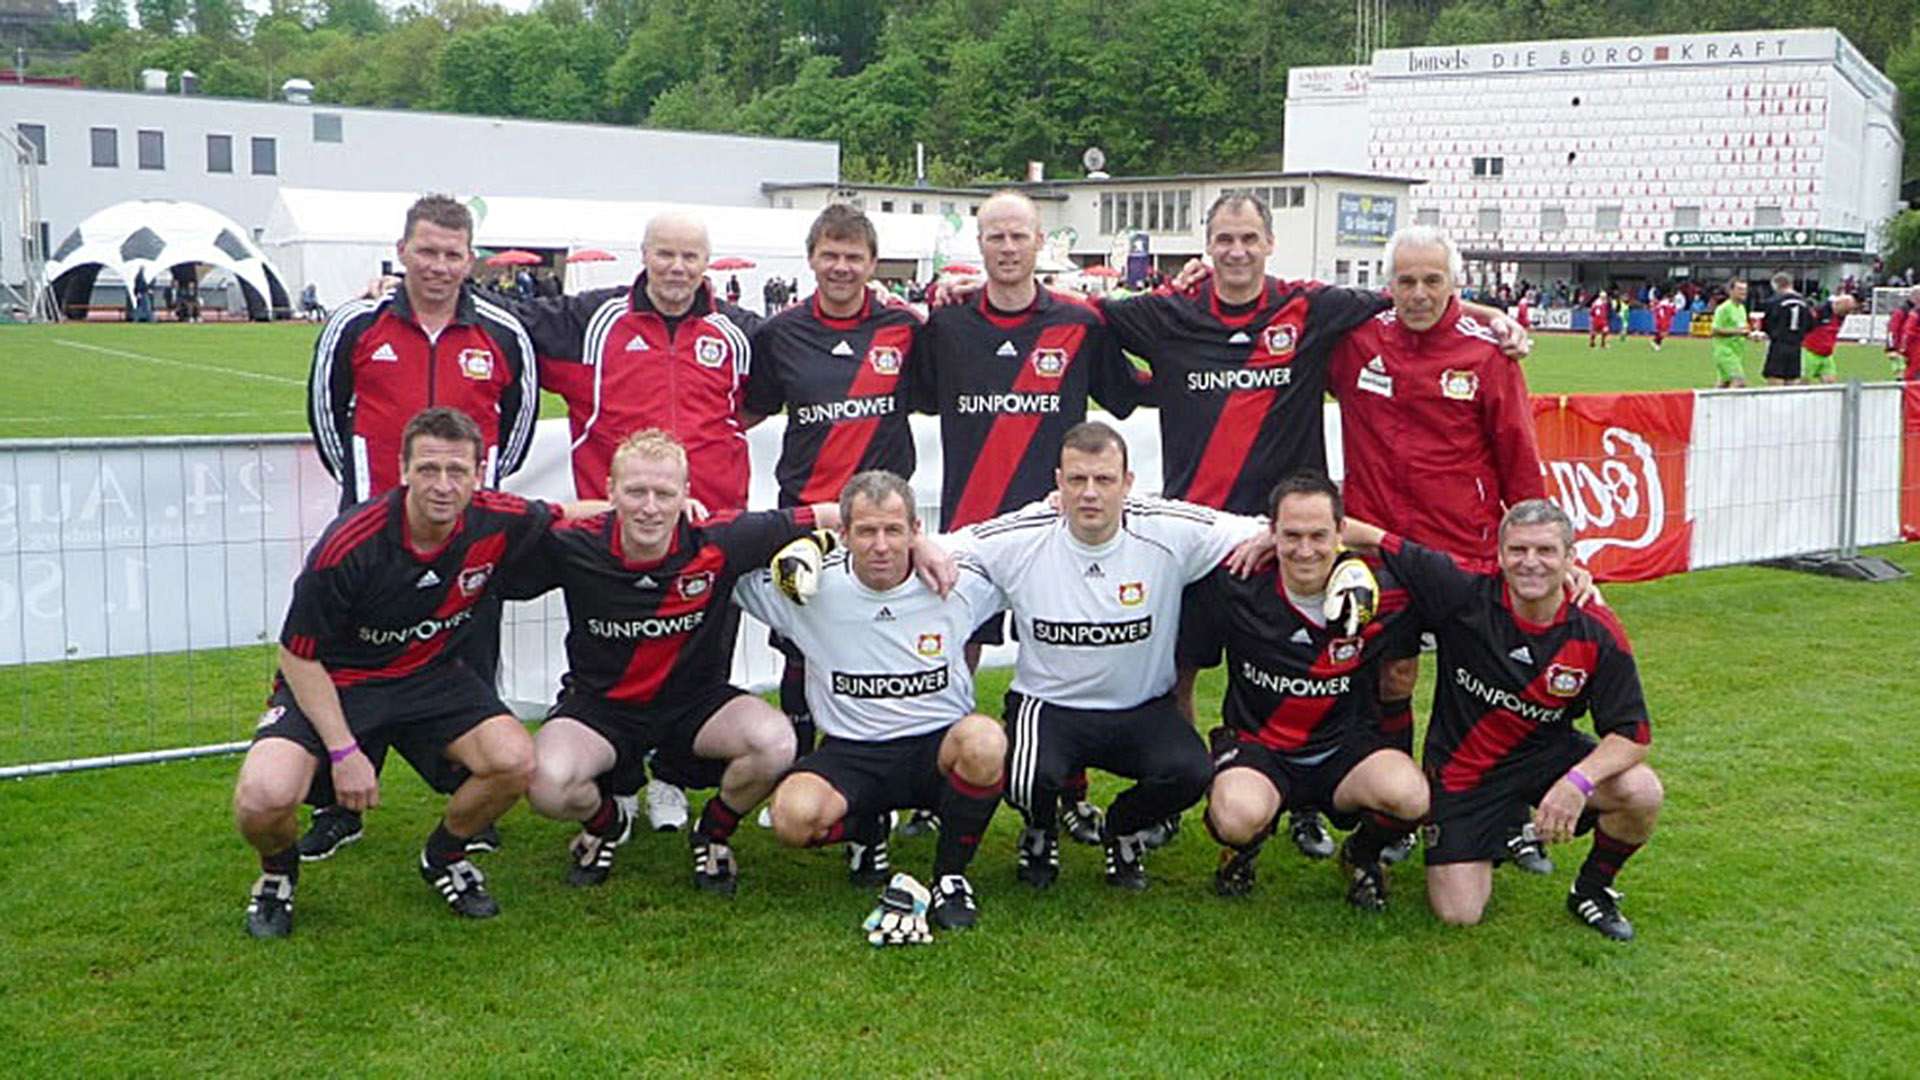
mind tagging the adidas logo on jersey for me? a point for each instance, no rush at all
(386, 354)
(1006, 349)
(1093, 570)
(843, 349)
(1376, 364)
(1239, 338)
(1522, 654)
(1301, 637)
(885, 615)
(646, 582)
(427, 580)
(636, 343)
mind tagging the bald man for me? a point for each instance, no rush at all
(662, 353)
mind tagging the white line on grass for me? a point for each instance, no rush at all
(180, 363)
(146, 416)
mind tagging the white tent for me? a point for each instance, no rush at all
(338, 239)
(152, 236)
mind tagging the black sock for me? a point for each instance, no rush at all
(1604, 861)
(337, 810)
(717, 821)
(1073, 788)
(1376, 833)
(805, 735)
(965, 811)
(444, 848)
(605, 822)
(1396, 724)
(286, 862)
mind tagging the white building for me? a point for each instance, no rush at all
(98, 148)
(1626, 158)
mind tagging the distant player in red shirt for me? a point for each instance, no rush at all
(1663, 312)
(1816, 348)
(1523, 311)
(1599, 318)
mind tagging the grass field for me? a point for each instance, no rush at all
(1778, 933)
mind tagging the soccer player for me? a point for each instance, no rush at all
(1095, 587)
(1437, 433)
(1300, 716)
(1785, 321)
(650, 633)
(837, 364)
(1897, 327)
(1730, 335)
(1816, 357)
(1904, 348)
(888, 679)
(1663, 311)
(1519, 662)
(1009, 371)
(1599, 319)
(369, 659)
(431, 341)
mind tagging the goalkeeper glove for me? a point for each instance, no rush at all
(796, 567)
(1352, 594)
(901, 916)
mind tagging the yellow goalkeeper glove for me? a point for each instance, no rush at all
(796, 567)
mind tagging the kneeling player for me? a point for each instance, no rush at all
(367, 662)
(1519, 662)
(1301, 712)
(650, 647)
(889, 685)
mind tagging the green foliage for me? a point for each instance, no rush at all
(108, 15)
(1901, 244)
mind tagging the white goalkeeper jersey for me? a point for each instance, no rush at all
(880, 665)
(1097, 625)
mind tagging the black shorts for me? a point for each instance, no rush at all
(668, 730)
(1306, 784)
(1199, 643)
(1151, 743)
(874, 777)
(1473, 826)
(1782, 364)
(994, 631)
(418, 716)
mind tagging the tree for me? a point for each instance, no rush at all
(354, 16)
(108, 15)
(162, 17)
(1900, 242)
(1903, 67)
(215, 20)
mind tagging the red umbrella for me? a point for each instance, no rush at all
(1100, 271)
(589, 255)
(731, 262)
(515, 257)
(960, 268)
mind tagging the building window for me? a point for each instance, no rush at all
(1489, 219)
(1429, 216)
(1106, 213)
(919, 208)
(153, 150)
(1153, 211)
(786, 202)
(1489, 166)
(886, 206)
(1766, 217)
(1342, 271)
(326, 127)
(219, 153)
(1553, 219)
(266, 156)
(1686, 217)
(1186, 210)
(1607, 219)
(43, 231)
(37, 135)
(1363, 274)
(106, 148)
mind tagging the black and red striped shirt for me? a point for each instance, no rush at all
(641, 632)
(1007, 387)
(1293, 684)
(843, 384)
(1509, 690)
(371, 608)
(1239, 388)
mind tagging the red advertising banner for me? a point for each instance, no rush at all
(1910, 464)
(1617, 464)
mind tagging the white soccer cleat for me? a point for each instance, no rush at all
(666, 806)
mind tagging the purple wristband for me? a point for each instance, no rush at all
(352, 748)
(1579, 779)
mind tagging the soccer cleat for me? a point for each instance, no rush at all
(666, 806)
(1160, 833)
(1039, 864)
(1082, 820)
(869, 864)
(1366, 882)
(333, 828)
(1310, 834)
(1600, 909)
(462, 885)
(1235, 875)
(714, 869)
(1125, 866)
(270, 907)
(1397, 851)
(1525, 852)
(484, 841)
(592, 856)
(953, 906)
(921, 823)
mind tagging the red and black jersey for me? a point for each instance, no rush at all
(640, 632)
(1510, 689)
(843, 384)
(1826, 331)
(1007, 387)
(1239, 388)
(374, 368)
(371, 608)
(1293, 685)
(623, 367)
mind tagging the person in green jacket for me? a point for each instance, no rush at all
(1731, 332)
